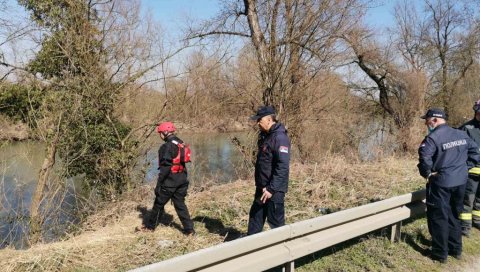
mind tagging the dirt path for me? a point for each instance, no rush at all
(473, 267)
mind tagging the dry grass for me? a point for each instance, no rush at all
(107, 241)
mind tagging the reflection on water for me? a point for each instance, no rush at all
(213, 158)
(20, 164)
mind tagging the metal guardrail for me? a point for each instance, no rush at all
(282, 246)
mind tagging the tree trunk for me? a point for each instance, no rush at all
(445, 90)
(262, 51)
(36, 218)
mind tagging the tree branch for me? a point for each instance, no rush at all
(211, 33)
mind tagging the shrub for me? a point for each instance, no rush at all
(17, 101)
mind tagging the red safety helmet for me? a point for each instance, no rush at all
(166, 127)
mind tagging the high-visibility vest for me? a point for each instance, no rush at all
(474, 171)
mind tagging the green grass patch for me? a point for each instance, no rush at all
(375, 252)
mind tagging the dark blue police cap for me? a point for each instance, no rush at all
(263, 111)
(434, 112)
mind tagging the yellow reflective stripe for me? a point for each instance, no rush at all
(474, 171)
(465, 216)
(476, 213)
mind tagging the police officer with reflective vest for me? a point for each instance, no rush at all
(172, 183)
(271, 172)
(471, 202)
(443, 157)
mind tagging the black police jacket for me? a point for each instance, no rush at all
(167, 152)
(472, 128)
(446, 151)
(273, 160)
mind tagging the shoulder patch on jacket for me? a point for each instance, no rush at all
(283, 149)
(422, 144)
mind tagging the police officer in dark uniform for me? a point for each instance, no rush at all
(471, 202)
(271, 172)
(172, 183)
(443, 157)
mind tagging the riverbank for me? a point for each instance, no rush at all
(106, 241)
(18, 131)
(223, 125)
(13, 131)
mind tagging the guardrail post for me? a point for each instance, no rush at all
(289, 267)
(395, 232)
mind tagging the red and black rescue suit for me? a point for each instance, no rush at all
(172, 184)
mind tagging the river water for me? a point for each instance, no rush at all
(214, 158)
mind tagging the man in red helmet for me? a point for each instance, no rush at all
(172, 183)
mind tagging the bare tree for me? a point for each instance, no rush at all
(452, 43)
(398, 91)
(427, 58)
(409, 34)
(293, 41)
(12, 30)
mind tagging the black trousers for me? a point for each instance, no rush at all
(471, 204)
(273, 210)
(444, 206)
(177, 194)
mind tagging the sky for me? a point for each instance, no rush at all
(171, 13)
